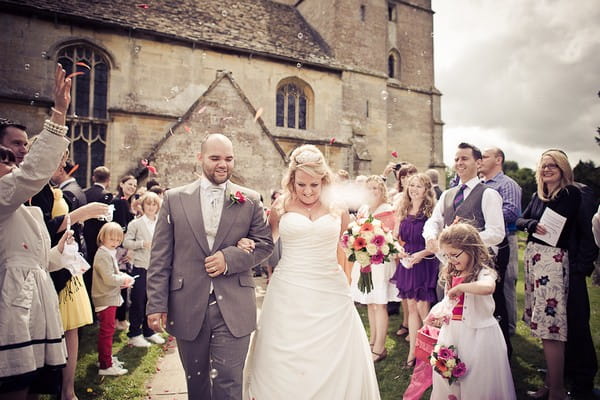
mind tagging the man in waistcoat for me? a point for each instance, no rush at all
(472, 202)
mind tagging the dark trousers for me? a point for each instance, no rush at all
(121, 313)
(214, 355)
(138, 323)
(581, 363)
(500, 312)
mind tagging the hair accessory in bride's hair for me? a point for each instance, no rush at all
(307, 157)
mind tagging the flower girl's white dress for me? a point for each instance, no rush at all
(310, 342)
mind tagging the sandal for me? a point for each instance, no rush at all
(380, 356)
(410, 364)
(541, 393)
(402, 331)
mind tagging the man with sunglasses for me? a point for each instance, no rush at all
(478, 204)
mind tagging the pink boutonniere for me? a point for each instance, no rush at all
(237, 198)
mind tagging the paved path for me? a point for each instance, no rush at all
(169, 381)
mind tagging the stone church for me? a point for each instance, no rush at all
(354, 77)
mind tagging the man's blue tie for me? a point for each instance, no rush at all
(460, 196)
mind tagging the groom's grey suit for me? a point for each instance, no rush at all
(179, 285)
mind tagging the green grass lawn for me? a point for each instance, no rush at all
(526, 359)
(141, 363)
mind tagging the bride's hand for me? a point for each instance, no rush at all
(246, 244)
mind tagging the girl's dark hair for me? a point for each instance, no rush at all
(123, 180)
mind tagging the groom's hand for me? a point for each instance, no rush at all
(157, 321)
(215, 264)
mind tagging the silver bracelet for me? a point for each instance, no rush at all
(57, 129)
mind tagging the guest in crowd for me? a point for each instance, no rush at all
(547, 265)
(123, 215)
(473, 330)
(382, 292)
(581, 362)
(73, 300)
(473, 202)
(138, 240)
(435, 177)
(107, 283)
(417, 273)
(491, 168)
(32, 347)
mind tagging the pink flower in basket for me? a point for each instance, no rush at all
(445, 354)
(459, 370)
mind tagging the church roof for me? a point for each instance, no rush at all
(261, 27)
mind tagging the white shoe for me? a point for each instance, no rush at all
(138, 341)
(122, 325)
(115, 361)
(156, 339)
(113, 370)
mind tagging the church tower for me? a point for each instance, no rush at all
(389, 95)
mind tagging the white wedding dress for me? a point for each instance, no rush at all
(310, 342)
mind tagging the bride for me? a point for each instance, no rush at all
(310, 342)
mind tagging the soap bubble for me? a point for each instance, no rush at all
(300, 35)
(27, 66)
(213, 373)
(384, 94)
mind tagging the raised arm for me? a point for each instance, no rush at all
(45, 154)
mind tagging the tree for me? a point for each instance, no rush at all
(587, 172)
(525, 177)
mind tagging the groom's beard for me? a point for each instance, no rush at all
(217, 179)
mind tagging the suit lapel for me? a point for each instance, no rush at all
(228, 216)
(192, 207)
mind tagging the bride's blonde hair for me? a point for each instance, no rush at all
(309, 159)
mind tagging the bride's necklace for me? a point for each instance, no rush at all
(309, 209)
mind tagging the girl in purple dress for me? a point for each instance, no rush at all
(417, 272)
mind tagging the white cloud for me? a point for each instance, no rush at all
(522, 73)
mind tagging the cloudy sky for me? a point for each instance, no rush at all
(523, 75)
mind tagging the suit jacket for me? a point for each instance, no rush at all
(177, 281)
(92, 226)
(74, 195)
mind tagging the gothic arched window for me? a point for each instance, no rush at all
(293, 100)
(87, 117)
(394, 64)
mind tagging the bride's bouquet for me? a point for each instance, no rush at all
(368, 242)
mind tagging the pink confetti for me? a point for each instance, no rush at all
(144, 6)
(74, 74)
(25, 246)
(152, 169)
(202, 109)
(144, 162)
(395, 154)
(82, 64)
(332, 140)
(187, 129)
(258, 114)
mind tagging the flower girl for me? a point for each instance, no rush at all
(472, 329)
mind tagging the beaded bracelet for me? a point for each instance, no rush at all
(57, 129)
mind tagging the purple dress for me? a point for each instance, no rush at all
(420, 281)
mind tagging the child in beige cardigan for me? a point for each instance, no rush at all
(107, 283)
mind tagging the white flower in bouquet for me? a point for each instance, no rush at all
(385, 249)
(348, 252)
(432, 361)
(450, 363)
(376, 223)
(371, 249)
(447, 374)
(368, 236)
(350, 242)
(355, 228)
(363, 258)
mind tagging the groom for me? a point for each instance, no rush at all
(200, 288)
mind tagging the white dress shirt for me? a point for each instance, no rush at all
(491, 206)
(211, 197)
